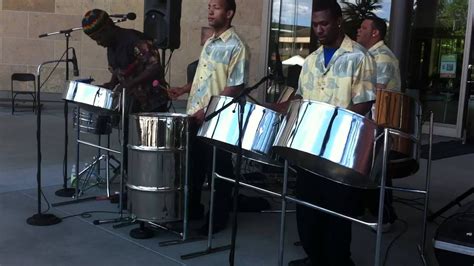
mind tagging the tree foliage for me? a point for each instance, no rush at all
(354, 14)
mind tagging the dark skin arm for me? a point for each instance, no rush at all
(148, 74)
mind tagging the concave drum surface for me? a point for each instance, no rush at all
(259, 131)
(329, 141)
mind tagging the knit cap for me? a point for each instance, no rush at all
(94, 20)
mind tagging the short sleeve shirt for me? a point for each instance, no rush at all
(388, 71)
(223, 63)
(349, 78)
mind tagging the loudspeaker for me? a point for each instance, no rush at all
(162, 23)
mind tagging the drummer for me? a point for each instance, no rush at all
(371, 35)
(133, 61)
(222, 70)
(341, 73)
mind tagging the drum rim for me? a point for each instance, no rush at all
(339, 108)
(247, 102)
(418, 102)
(159, 115)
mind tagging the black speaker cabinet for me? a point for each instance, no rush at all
(162, 23)
(454, 239)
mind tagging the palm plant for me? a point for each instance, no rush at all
(354, 14)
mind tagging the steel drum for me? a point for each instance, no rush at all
(260, 126)
(329, 141)
(90, 96)
(156, 166)
(93, 123)
(401, 112)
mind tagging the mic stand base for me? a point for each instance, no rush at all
(65, 192)
(43, 219)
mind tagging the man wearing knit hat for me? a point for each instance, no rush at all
(133, 62)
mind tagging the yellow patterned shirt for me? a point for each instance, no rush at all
(388, 71)
(223, 63)
(348, 78)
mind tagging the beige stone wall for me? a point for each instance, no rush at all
(21, 21)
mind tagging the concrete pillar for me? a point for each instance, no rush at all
(400, 17)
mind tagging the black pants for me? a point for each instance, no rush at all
(371, 199)
(326, 238)
(200, 167)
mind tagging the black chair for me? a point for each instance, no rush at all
(23, 77)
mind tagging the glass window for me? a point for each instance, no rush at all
(436, 53)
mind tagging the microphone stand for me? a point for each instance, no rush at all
(65, 191)
(41, 219)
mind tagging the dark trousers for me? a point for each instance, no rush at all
(326, 238)
(201, 166)
(372, 197)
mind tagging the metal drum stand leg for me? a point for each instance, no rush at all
(209, 248)
(283, 215)
(184, 235)
(378, 244)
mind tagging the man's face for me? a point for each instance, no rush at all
(325, 27)
(217, 15)
(365, 33)
(104, 37)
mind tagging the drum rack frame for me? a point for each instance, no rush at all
(285, 198)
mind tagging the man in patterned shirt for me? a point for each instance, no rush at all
(222, 70)
(341, 73)
(371, 35)
(133, 62)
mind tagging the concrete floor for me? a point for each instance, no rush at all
(77, 241)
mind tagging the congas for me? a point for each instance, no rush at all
(398, 111)
(260, 126)
(156, 166)
(329, 141)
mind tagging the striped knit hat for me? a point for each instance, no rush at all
(94, 20)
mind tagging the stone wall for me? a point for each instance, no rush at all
(21, 21)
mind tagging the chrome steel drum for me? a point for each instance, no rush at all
(401, 112)
(93, 123)
(156, 166)
(90, 96)
(260, 126)
(329, 141)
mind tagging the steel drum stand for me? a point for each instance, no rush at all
(240, 99)
(425, 192)
(184, 235)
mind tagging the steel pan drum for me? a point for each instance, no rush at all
(259, 132)
(156, 166)
(93, 123)
(329, 141)
(90, 96)
(401, 112)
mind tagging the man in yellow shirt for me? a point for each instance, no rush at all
(222, 70)
(371, 35)
(341, 73)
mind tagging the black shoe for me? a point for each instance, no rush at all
(301, 262)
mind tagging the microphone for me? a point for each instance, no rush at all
(74, 63)
(129, 16)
